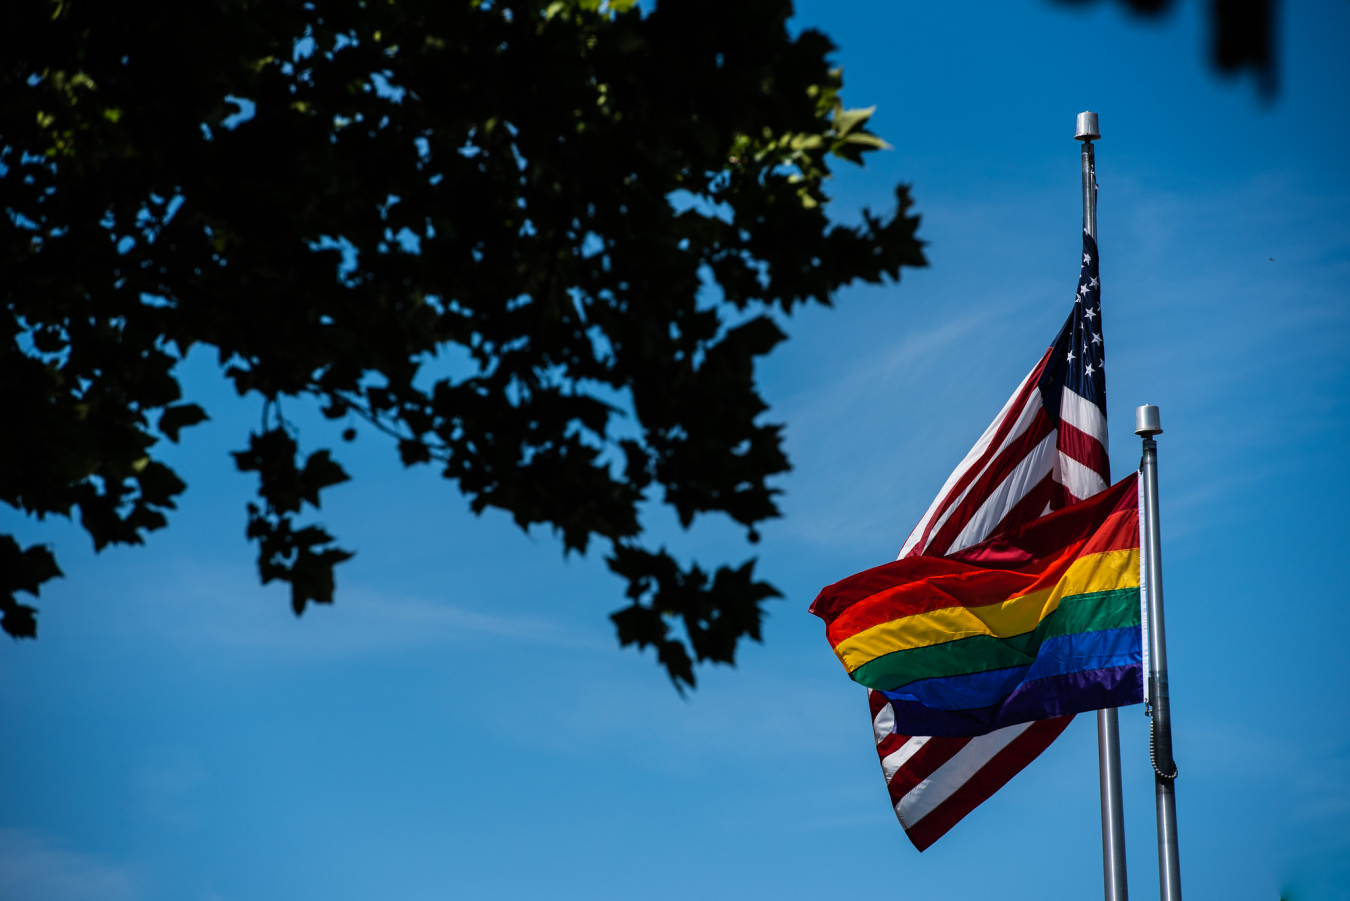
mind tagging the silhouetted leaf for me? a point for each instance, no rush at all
(179, 417)
(22, 570)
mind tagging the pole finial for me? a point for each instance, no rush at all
(1146, 421)
(1087, 127)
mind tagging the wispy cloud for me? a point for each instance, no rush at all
(221, 607)
(35, 867)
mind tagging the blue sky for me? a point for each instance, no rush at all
(461, 723)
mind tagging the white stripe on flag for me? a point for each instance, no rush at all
(1033, 467)
(891, 763)
(928, 794)
(1083, 415)
(1081, 481)
(884, 724)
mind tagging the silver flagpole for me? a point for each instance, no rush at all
(1148, 424)
(1108, 721)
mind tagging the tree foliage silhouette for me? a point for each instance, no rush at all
(331, 193)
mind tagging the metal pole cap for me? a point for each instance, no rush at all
(1087, 127)
(1146, 421)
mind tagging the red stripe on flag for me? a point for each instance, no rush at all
(989, 779)
(1085, 449)
(891, 743)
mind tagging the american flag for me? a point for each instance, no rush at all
(1046, 449)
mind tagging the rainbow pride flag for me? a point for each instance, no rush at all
(1037, 622)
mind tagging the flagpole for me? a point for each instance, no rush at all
(1108, 721)
(1148, 424)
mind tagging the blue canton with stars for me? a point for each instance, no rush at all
(1078, 357)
